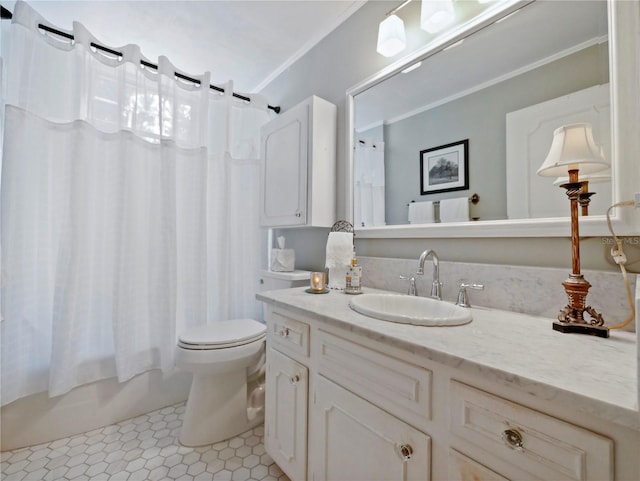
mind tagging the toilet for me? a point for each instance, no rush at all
(227, 360)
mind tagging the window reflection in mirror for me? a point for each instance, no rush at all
(505, 88)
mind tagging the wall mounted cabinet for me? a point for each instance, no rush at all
(298, 153)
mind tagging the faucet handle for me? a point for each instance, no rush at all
(463, 296)
(412, 291)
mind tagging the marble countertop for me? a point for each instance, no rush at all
(594, 375)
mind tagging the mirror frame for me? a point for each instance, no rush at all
(624, 68)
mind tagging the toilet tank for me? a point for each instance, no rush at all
(270, 280)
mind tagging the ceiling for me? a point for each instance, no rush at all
(249, 42)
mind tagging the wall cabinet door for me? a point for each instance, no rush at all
(298, 152)
(286, 413)
(284, 174)
(358, 441)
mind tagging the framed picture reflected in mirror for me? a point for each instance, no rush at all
(444, 168)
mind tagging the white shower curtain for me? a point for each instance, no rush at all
(369, 182)
(129, 210)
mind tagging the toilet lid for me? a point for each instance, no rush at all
(221, 334)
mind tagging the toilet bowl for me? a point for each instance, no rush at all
(227, 359)
(224, 358)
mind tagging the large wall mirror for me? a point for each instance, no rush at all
(447, 141)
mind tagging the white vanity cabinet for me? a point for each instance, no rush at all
(287, 388)
(298, 175)
(353, 398)
(360, 402)
(347, 437)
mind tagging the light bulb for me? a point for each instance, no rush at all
(436, 15)
(391, 36)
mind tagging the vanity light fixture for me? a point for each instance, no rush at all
(574, 151)
(391, 36)
(436, 15)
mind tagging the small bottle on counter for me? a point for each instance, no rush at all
(353, 281)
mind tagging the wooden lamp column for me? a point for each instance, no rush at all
(573, 149)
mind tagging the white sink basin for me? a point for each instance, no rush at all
(405, 309)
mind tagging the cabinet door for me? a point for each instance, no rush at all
(286, 414)
(284, 164)
(356, 440)
(462, 468)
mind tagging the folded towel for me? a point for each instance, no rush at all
(337, 277)
(420, 212)
(338, 257)
(454, 210)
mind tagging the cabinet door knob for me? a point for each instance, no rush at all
(298, 214)
(513, 439)
(406, 451)
(295, 379)
(284, 332)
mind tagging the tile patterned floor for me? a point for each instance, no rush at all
(144, 448)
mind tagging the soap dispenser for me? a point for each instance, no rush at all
(353, 281)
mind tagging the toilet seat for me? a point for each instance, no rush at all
(221, 335)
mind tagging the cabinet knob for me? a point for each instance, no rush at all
(406, 451)
(513, 439)
(295, 379)
(284, 332)
(298, 214)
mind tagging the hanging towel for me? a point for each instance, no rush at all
(454, 210)
(420, 212)
(338, 257)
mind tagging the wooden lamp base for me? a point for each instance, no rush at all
(571, 318)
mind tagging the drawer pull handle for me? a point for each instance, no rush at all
(513, 439)
(406, 451)
(284, 332)
(295, 379)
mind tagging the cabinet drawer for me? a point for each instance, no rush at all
(401, 388)
(290, 335)
(542, 446)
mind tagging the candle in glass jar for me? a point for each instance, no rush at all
(317, 281)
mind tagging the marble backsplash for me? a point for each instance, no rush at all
(532, 290)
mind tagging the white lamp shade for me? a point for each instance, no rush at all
(391, 36)
(573, 148)
(436, 15)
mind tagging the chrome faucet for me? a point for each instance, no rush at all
(436, 285)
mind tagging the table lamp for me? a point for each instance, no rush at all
(573, 151)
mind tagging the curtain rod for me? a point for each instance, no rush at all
(7, 14)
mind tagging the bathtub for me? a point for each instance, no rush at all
(38, 419)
